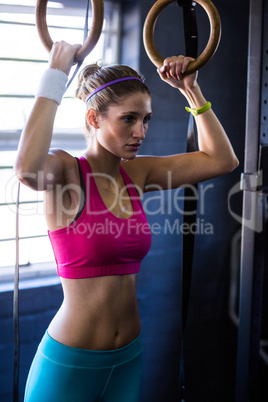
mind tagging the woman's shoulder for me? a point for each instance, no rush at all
(66, 163)
(62, 157)
(60, 153)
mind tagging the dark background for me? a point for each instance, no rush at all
(211, 336)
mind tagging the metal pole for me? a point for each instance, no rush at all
(251, 207)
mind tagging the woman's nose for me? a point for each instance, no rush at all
(140, 131)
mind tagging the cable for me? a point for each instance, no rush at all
(16, 309)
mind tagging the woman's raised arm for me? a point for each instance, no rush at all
(215, 156)
(35, 166)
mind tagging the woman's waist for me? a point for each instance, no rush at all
(95, 331)
(99, 314)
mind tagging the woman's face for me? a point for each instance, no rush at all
(124, 126)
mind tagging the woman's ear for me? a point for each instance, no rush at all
(92, 118)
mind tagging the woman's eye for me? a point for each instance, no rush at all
(146, 119)
(128, 119)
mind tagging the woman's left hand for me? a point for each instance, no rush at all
(173, 70)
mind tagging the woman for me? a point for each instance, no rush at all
(97, 227)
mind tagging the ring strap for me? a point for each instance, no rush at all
(80, 62)
(190, 27)
(190, 203)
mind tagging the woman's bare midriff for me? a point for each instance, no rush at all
(97, 313)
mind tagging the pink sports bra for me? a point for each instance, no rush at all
(97, 243)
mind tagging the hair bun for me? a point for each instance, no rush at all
(83, 87)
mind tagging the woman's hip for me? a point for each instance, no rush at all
(61, 372)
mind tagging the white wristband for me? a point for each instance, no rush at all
(52, 85)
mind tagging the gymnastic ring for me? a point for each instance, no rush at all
(210, 49)
(92, 39)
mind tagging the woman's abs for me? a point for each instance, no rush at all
(97, 313)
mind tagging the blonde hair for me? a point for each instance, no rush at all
(93, 76)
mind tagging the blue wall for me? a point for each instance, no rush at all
(37, 306)
(210, 337)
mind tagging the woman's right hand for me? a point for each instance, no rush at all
(62, 55)
(172, 71)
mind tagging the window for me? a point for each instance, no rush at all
(23, 59)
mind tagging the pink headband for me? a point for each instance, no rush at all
(111, 83)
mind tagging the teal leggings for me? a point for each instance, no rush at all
(63, 373)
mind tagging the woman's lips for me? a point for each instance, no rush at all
(135, 147)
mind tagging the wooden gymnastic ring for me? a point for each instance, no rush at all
(210, 49)
(92, 39)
